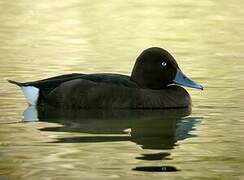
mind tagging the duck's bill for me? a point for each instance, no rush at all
(183, 80)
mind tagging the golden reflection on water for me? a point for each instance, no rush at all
(47, 38)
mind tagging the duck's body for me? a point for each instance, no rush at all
(142, 89)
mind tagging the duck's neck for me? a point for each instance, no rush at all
(147, 80)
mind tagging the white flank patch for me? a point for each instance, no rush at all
(31, 94)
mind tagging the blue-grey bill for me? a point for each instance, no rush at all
(183, 80)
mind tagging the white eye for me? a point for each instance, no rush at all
(164, 64)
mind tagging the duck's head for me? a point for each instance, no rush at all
(155, 68)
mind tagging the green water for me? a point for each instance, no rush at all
(47, 38)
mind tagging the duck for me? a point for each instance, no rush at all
(156, 82)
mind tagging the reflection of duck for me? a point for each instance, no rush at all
(149, 86)
(150, 129)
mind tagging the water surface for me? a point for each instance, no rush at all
(47, 38)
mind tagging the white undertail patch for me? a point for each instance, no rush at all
(30, 114)
(31, 94)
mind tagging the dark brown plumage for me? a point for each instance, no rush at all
(148, 87)
(82, 93)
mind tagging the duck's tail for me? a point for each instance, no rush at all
(31, 93)
(16, 83)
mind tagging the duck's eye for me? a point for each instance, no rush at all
(164, 64)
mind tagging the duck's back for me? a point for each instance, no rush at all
(114, 91)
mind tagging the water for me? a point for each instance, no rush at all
(47, 38)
